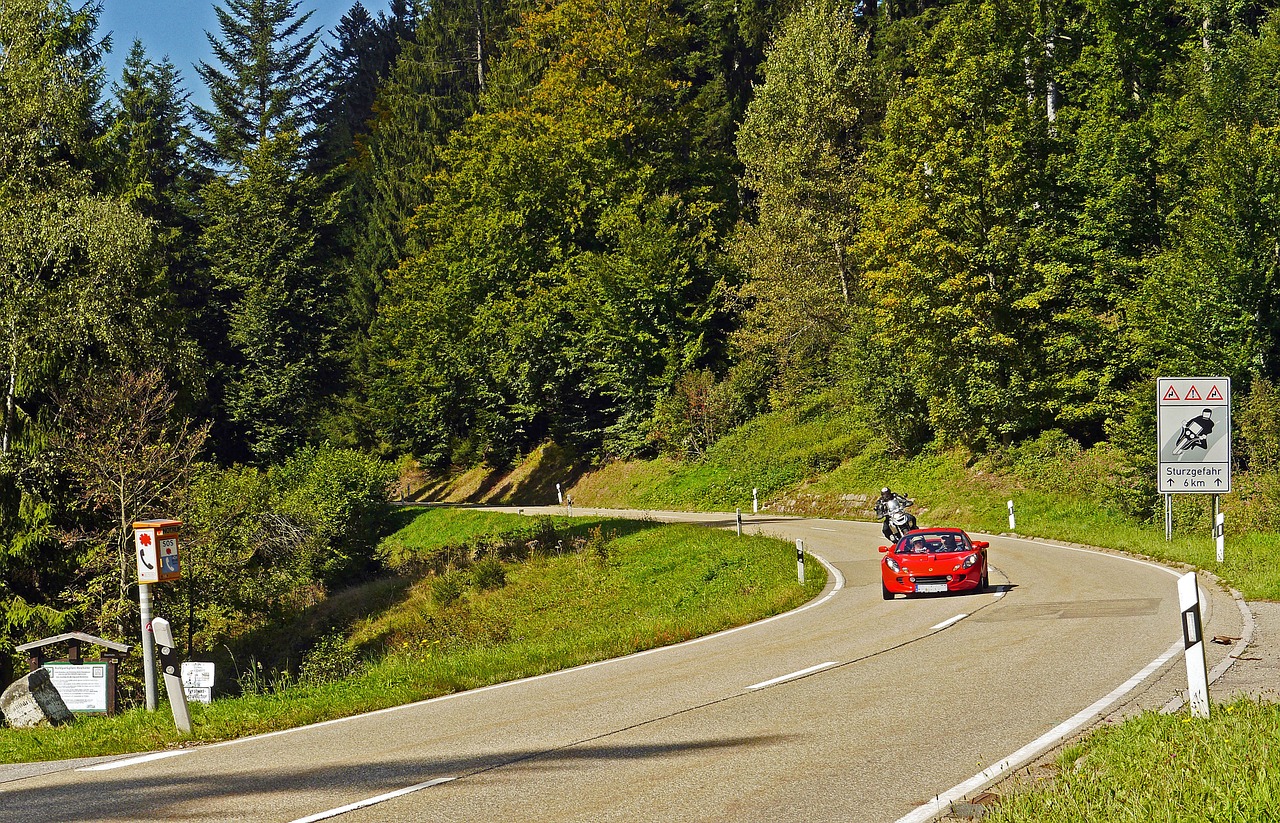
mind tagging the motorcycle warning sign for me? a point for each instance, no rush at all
(1193, 431)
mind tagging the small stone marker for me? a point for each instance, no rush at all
(32, 701)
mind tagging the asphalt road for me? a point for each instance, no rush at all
(903, 702)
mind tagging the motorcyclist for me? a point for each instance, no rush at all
(882, 510)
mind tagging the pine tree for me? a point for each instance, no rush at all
(265, 82)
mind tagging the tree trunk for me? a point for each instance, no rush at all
(479, 47)
(9, 401)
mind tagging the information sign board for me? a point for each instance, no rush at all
(197, 681)
(1193, 432)
(83, 686)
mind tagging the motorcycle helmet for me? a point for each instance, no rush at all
(885, 490)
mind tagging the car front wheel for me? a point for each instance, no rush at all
(884, 591)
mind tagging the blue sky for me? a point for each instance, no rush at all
(176, 28)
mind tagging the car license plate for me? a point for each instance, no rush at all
(930, 588)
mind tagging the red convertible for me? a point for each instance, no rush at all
(934, 561)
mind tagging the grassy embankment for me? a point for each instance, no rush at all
(1153, 767)
(612, 588)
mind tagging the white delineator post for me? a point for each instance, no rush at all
(738, 512)
(172, 674)
(1193, 636)
(800, 560)
(755, 501)
(559, 495)
(1013, 524)
(1220, 534)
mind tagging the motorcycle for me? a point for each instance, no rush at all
(900, 521)
(1195, 433)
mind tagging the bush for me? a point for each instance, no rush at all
(447, 588)
(489, 573)
(331, 659)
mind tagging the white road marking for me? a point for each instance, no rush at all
(812, 604)
(1063, 730)
(794, 675)
(1036, 747)
(948, 622)
(133, 761)
(372, 801)
(820, 529)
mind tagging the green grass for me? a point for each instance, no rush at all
(771, 453)
(822, 452)
(1163, 768)
(652, 585)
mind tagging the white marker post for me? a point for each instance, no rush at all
(755, 501)
(800, 560)
(1193, 636)
(172, 675)
(559, 495)
(739, 516)
(1220, 533)
(1013, 524)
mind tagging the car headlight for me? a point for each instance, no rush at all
(969, 561)
(893, 565)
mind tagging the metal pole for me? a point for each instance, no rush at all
(1168, 517)
(148, 646)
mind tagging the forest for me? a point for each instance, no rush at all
(451, 231)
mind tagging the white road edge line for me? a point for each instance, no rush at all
(372, 801)
(133, 761)
(820, 529)
(949, 622)
(813, 604)
(794, 675)
(1036, 747)
(1057, 734)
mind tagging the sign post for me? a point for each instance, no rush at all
(1193, 439)
(1193, 638)
(156, 545)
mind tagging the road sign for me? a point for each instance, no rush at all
(148, 566)
(1193, 433)
(157, 552)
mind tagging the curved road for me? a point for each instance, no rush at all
(901, 703)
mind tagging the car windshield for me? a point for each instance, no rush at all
(934, 543)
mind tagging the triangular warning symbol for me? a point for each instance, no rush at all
(1192, 394)
(1214, 394)
(1171, 394)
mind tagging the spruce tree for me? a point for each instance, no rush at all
(266, 81)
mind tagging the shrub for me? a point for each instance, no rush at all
(331, 659)
(489, 573)
(447, 588)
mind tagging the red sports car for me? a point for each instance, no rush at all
(934, 561)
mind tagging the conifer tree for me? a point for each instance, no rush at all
(265, 81)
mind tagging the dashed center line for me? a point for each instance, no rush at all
(372, 801)
(794, 675)
(948, 622)
(133, 761)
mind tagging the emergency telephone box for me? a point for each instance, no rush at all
(156, 545)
